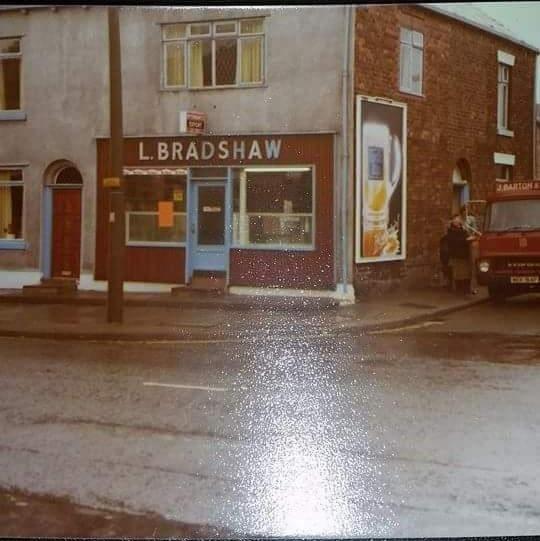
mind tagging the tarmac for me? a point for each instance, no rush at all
(207, 315)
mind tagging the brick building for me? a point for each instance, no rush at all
(537, 139)
(468, 94)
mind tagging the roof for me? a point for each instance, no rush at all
(474, 16)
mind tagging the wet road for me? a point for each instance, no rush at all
(427, 431)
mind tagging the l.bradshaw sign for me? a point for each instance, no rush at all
(220, 150)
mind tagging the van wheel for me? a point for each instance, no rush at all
(496, 294)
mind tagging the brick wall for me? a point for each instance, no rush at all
(456, 119)
(537, 141)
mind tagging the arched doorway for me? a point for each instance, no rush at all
(63, 183)
(461, 177)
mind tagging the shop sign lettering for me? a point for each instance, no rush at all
(265, 149)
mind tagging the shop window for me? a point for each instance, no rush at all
(503, 89)
(143, 195)
(411, 63)
(11, 204)
(10, 74)
(503, 172)
(209, 55)
(273, 207)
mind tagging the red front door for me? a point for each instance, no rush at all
(66, 241)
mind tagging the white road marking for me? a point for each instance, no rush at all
(407, 327)
(190, 387)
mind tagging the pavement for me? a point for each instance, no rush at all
(201, 315)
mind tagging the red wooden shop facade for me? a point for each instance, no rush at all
(277, 215)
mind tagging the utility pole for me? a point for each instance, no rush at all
(116, 245)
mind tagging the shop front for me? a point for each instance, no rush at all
(256, 209)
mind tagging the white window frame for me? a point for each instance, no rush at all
(149, 243)
(213, 36)
(18, 243)
(407, 86)
(508, 172)
(313, 214)
(503, 86)
(14, 114)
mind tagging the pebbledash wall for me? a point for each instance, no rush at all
(452, 124)
(64, 117)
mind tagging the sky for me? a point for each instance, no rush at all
(521, 18)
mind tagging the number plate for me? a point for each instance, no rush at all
(524, 279)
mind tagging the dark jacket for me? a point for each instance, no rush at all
(443, 250)
(458, 246)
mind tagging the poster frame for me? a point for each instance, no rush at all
(358, 180)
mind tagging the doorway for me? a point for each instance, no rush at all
(66, 237)
(62, 221)
(208, 217)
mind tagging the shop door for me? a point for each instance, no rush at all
(66, 238)
(207, 222)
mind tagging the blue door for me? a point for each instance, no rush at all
(207, 227)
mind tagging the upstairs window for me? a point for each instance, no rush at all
(411, 61)
(503, 173)
(213, 54)
(503, 89)
(10, 74)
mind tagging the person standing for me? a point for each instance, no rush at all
(459, 255)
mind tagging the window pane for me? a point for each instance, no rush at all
(11, 203)
(200, 63)
(405, 67)
(226, 61)
(225, 28)
(69, 175)
(144, 227)
(273, 208)
(251, 67)
(174, 60)
(202, 29)
(406, 35)
(10, 88)
(142, 195)
(251, 26)
(418, 39)
(417, 55)
(10, 175)
(174, 31)
(10, 46)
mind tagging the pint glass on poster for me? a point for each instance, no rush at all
(380, 181)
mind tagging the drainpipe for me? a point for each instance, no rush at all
(534, 174)
(345, 79)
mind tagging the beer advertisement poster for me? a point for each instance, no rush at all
(380, 180)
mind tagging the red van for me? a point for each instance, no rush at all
(509, 247)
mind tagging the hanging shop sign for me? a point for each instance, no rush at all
(192, 122)
(380, 180)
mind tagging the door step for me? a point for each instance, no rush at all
(51, 287)
(204, 281)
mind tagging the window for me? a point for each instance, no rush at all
(143, 194)
(10, 74)
(210, 55)
(503, 87)
(11, 204)
(411, 61)
(514, 215)
(503, 173)
(273, 207)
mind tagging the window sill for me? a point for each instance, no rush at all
(274, 248)
(411, 93)
(12, 115)
(142, 244)
(15, 244)
(202, 88)
(505, 132)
